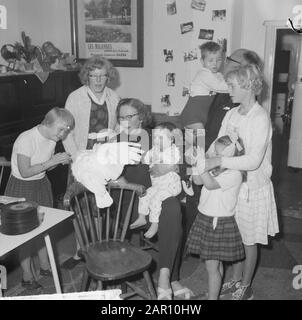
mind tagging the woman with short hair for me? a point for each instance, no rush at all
(93, 105)
(134, 120)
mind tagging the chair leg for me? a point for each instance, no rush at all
(100, 285)
(141, 238)
(85, 281)
(124, 287)
(150, 285)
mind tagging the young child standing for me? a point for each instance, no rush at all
(34, 154)
(207, 82)
(214, 234)
(163, 160)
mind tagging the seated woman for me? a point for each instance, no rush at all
(133, 117)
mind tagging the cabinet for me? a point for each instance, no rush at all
(24, 100)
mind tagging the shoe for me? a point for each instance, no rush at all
(243, 293)
(45, 273)
(31, 284)
(70, 263)
(229, 287)
(183, 294)
(164, 294)
(187, 186)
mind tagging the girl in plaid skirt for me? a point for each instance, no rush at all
(214, 234)
(33, 154)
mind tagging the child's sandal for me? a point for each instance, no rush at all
(184, 293)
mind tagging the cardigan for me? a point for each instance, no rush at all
(79, 104)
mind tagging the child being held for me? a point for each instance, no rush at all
(163, 160)
(214, 234)
(207, 82)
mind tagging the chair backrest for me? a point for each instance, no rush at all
(4, 173)
(93, 224)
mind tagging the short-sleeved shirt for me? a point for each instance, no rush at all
(32, 144)
(221, 202)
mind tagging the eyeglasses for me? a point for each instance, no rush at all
(233, 60)
(127, 118)
(99, 77)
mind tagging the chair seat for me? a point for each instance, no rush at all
(112, 260)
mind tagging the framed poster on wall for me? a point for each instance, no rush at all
(111, 28)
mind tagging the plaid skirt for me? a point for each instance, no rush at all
(223, 243)
(38, 191)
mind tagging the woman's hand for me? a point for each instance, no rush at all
(121, 182)
(140, 190)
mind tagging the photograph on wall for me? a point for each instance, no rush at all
(206, 34)
(171, 7)
(198, 5)
(190, 55)
(168, 54)
(185, 91)
(170, 79)
(111, 28)
(219, 15)
(223, 43)
(165, 100)
(186, 27)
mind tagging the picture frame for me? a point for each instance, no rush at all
(114, 29)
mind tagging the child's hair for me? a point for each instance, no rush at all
(227, 141)
(209, 47)
(248, 77)
(168, 126)
(59, 113)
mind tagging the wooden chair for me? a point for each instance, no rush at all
(108, 257)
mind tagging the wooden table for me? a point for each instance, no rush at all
(51, 219)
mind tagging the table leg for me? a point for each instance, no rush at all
(52, 264)
(1, 295)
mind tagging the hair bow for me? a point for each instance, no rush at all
(230, 150)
